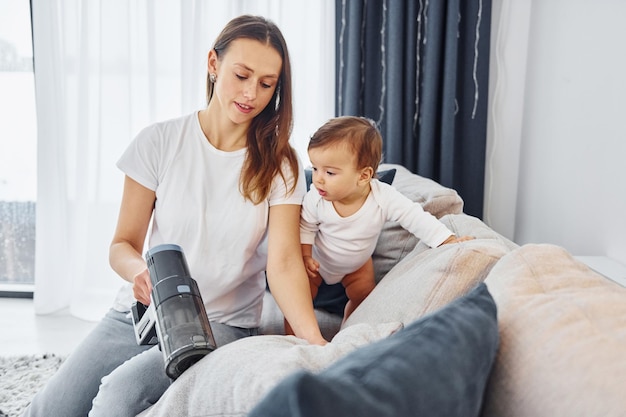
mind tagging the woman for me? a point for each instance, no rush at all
(223, 183)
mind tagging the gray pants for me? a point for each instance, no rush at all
(108, 374)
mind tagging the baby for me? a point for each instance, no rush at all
(346, 208)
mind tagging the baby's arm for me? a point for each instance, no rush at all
(311, 265)
(412, 217)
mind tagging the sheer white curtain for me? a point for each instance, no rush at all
(510, 31)
(104, 69)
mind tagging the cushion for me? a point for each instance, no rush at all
(563, 337)
(466, 225)
(233, 378)
(437, 366)
(429, 278)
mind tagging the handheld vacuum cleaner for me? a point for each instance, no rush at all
(176, 318)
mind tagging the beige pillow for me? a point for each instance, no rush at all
(427, 279)
(466, 225)
(562, 338)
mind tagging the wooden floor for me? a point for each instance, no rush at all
(23, 333)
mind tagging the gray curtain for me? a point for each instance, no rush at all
(419, 68)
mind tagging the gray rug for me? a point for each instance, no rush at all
(21, 377)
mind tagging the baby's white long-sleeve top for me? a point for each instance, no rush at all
(343, 244)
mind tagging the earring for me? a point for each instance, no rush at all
(213, 78)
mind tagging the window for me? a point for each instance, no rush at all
(18, 149)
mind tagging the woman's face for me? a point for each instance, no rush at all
(247, 77)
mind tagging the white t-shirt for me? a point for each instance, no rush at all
(200, 208)
(343, 244)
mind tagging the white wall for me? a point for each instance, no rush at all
(556, 170)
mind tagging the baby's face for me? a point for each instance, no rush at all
(335, 175)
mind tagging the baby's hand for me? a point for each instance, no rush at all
(454, 239)
(311, 265)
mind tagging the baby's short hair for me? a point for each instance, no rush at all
(359, 134)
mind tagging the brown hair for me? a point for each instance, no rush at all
(359, 134)
(268, 136)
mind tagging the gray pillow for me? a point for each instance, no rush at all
(437, 366)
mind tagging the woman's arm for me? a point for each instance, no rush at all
(127, 245)
(286, 275)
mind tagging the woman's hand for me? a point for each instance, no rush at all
(318, 341)
(142, 287)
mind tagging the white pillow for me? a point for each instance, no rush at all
(232, 380)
